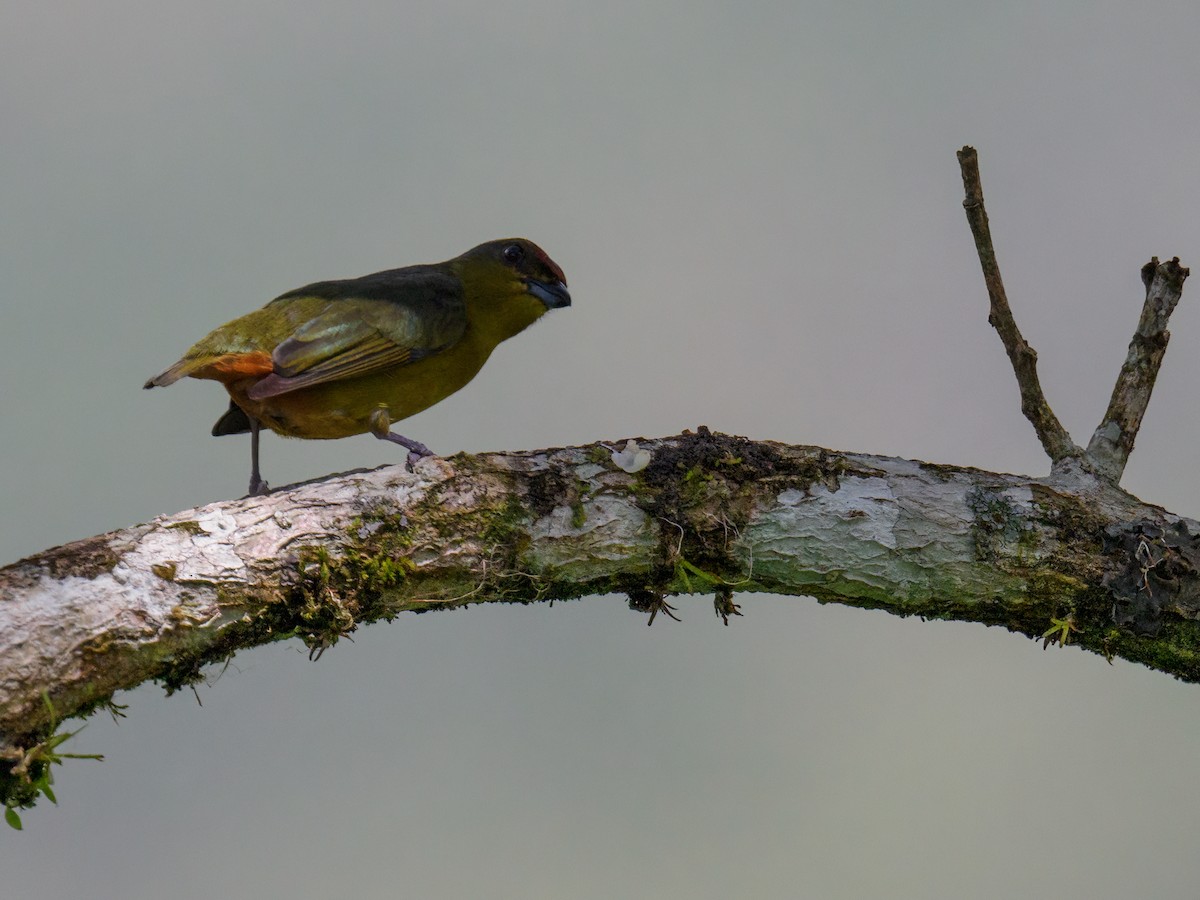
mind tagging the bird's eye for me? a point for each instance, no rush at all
(514, 253)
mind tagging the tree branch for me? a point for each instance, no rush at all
(1068, 558)
(710, 514)
(1113, 439)
(1055, 440)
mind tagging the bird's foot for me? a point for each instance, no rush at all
(416, 450)
(413, 447)
(258, 487)
(381, 423)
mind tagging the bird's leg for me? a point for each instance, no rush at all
(258, 487)
(381, 424)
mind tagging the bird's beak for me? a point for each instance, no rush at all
(553, 295)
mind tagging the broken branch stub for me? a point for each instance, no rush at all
(1113, 439)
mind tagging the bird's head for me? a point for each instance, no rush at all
(509, 284)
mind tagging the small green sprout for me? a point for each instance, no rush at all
(31, 767)
(1059, 631)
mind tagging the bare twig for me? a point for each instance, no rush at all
(1050, 432)
(1113, 440)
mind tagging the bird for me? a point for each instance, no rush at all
(338, 358)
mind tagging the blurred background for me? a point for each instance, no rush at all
(758, 208)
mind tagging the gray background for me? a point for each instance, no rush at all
(758, 209)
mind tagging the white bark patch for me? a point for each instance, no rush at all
(821, 533)
(907, 533)
(612, 530)
(866, 506)
(936, 519)
(125, 606)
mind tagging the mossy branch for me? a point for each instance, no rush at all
(709, 514)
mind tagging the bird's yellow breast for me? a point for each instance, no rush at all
(339, 409)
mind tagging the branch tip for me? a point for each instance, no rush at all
(1054, 438)
(1112, 442)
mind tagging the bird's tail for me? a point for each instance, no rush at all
(234, 421)
(225, 368)
(181, 369)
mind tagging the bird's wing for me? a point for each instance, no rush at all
(370, 324)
